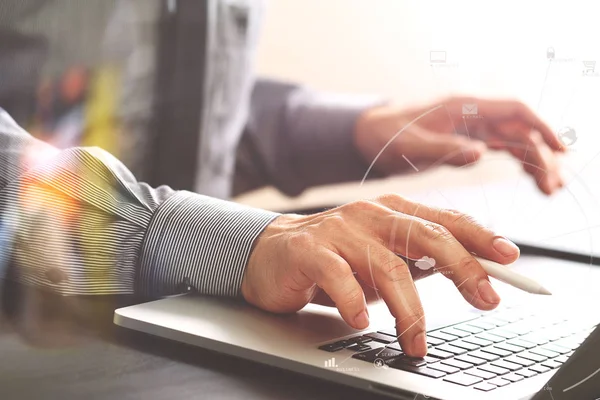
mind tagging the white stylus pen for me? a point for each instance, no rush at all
(502, 273)
(505, 274)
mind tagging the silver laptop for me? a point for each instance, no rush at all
(532, 347)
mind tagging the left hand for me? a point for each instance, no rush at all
(498, 124)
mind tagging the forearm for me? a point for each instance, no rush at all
(76, 222)
(297, 138)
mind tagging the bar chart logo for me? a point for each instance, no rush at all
(331, 363)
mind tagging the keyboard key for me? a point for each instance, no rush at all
(434, 341)
(415, 362)
(381, 338)
(361, 339)
(470, 359)
(527, 373)
(535, 338)
(359, 347)
(372, 355)
(432, 373)
(521, 343)
(496, 351)
(556, 348)
(331, 347)
(531, 356)
(554, 333)
(444, 368)
(495, 321)
(469, 328)
(513, 377)
(457, 363)
(465, 345)
(451, 349)
(509, 347)
(507, 365)
(486, 326)
(455, 332)
(562, 359)
(539, 369)
(477, 341)
(394, 346)
(519, 360)
(431, 360)
(389, 332)
(491, 338)
(499, 382)
(520, 328)
(485, 356)
(439, 354)
(480, 373)
(567, 344)
(544, 352)
(463, 379)
(493, 369)
(503, 334)
(551, 364)
(507, 316)
(443, 336)
(485, 387)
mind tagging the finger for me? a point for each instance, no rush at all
(548, 135)
(518, 110)
(540, 162)
(323, 299)
(333, 274)
(444, 148)
(426, 238)
(391, 277)
(471, 234)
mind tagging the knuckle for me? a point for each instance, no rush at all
(431, 231)
(395, 270)
(470, 266)
(390, 198)
(335, 271)
(335, 221)
(362, 206)
(300, 240)
(456, 218)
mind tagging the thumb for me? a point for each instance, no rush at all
(448, 148)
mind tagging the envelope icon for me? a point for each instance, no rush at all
(469, 109)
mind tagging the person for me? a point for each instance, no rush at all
(74, 220)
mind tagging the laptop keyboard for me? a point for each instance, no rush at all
(488, 352)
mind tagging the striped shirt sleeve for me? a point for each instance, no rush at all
(77, 222)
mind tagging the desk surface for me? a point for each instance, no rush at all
(116, 363)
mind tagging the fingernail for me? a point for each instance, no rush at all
(487, 292)
(419, 344)
(505, 247)
(362, 320)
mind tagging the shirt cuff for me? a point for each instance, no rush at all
(198, 243)
(322, 138)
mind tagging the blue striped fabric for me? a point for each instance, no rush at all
(77, 222)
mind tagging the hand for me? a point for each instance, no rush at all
(297, 256)
(502, 125)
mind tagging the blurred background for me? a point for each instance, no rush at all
(529, 50)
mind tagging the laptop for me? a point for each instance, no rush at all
(531, 347)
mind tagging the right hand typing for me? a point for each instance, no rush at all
(348, 249)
